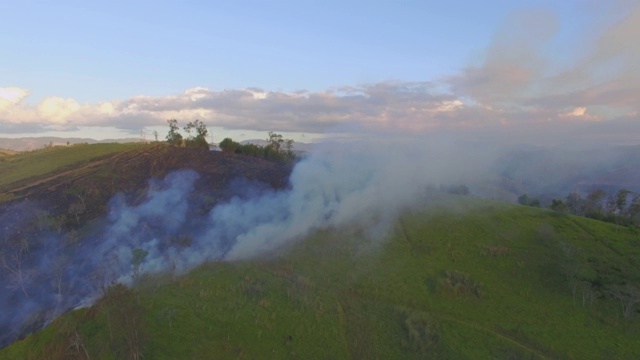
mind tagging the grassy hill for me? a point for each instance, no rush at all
(469, 279)
(20, 169)
(6, 152)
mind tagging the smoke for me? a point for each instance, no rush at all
(362, 184)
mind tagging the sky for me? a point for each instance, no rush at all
(536, 71)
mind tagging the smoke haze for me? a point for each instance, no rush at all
(363, 184)
(359, 183)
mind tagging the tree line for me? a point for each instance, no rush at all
(276, 149)
(621, 207)
(196, 134)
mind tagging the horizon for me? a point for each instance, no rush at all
(541, 72)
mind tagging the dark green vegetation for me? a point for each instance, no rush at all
(196, 134)
(276, 149)
(621, 207)
(469, 279)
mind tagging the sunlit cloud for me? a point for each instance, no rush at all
(10, 96)
(518, 86)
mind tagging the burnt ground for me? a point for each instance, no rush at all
(85, 191)
(52, 221)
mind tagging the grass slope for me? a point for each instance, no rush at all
(5, 153)
(481, 280)
(24, 167)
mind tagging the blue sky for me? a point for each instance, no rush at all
(69, 66)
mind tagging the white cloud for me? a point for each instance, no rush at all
(13, 94)
(516, 86)
(10, 96)
(579, 111)
(394, 104)
(57, 110)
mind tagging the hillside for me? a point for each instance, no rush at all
(454, 277)
(6, 152)
(56, 207)
(466, 279)
(59, 176)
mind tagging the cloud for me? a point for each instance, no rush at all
(523, 70)
(387, 104)
(10, 96)
(513, 61)
(520, 83)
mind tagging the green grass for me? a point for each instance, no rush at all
(20, 168)
(482, 281)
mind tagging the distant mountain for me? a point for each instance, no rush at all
(33, 143)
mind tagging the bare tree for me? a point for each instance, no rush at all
(629, 296)
(59, 267)
(12, 260)
(76, 209)
(138, 258)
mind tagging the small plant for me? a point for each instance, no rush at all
(457, 283)
(138, 258)
(494, 250)
(422, 335)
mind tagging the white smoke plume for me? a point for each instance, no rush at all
(341, 184)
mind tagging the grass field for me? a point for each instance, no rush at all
(478, 280)
(24, 167)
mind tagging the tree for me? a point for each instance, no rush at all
(228, 145)
(138, 258)
(524, 199)
(76, 209)
(575, 203)
(633, 211)
(594, 202)
(621, 200)
(558, 205)
(60, 265)
(12, 258)
(275, 141)
(174, 137)
(629, 296)
(200, 137)
(279, 148)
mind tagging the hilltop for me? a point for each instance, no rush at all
(59, 176)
